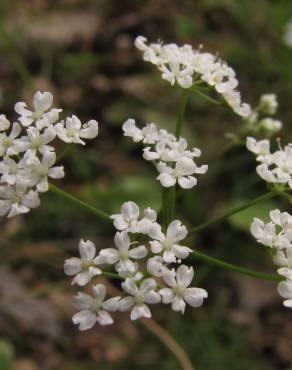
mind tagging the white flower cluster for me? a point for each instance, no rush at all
(27, 160)
(275, 167)
(174, 162)
(259, 119)
(277, 234)
(138, 238)
(184, 65)
(287, 37)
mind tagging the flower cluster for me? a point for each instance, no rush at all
(174, 162)
(260, 121)
(27, 158)
(275, 167)
(186, 66)
(143, 258)
(277, 234)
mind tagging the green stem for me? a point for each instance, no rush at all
(231, 212)
(111, 275)
(231, 267)
(181, 112)
(168, 194)
(205, 96)
(65, 152)
(63, 194)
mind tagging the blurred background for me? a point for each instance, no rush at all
(83, 52)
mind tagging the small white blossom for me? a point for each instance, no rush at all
(270, 125)
(122, 256)
(37, 172)
(181, 173)
(85, 267)
(15, 200)
(268, 103)
(167, 244)
(10, 144)
(37, 141)
(42, 116)
(128, 220)
(179, 291)
(148, 135)
(72, 130)
(275, 167)
(94, 309)
(139, 298)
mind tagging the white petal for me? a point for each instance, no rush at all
(152, 297)
(187, 182)
(108, 255)
(184, 275)
(178, 304)
(99, 291)
(87, 250)
(167, 295)
(122, 241)
(130, 211)
(82, 278)
(126, 303)
(140, 311)
(86, 319)
(111, 304)
(104, 318)
(90, 131)
(72, 266)
(82, 301)
(195, 296)
(130, 287)
(42, 101)
(176, 231)
(56, 172)
(166, 180)
(138, 252)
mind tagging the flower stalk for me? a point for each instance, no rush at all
(225, 215)
(63, 194)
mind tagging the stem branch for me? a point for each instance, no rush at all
(233, 211)
(231, 267)
(63, 194)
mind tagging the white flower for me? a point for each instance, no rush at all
(271, 125)
(38, 142)
(283, 258)
(266, 234)
(128, 219)
(42, 115)
(179, 293)
(9, 144)
(9, 169)
(85, 267)
(72, 131)
(275, 167)
(17, 199)
(183, 65)
(285, 290)
(148, 135)
(94, 309)
(268, 103)
(122, 256)
(37, 172)
(260, 148)
(139, 297)
(156, 266)
(167, 244)
(181, 173)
